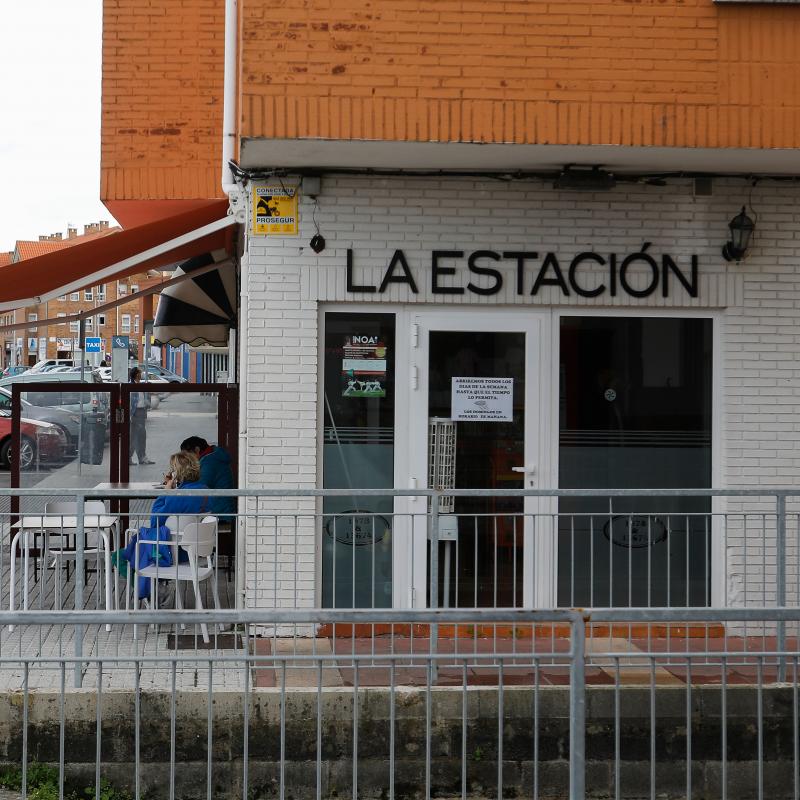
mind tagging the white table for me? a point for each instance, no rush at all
(59, 524)
(146, 486)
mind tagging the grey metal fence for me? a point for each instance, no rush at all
(623, 703)
(315, 548)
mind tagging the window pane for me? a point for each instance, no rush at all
(358, 453)
(635, 412)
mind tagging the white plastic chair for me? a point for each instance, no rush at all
(69, 508)
(198, 539)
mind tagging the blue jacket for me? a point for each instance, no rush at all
(216, 473)
(164, 506)
(173, 504)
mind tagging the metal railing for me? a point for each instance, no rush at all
(565, 548)
(616, 703)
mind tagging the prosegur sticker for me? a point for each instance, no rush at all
(275, 210)
(482, 399)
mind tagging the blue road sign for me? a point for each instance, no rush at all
(93, 344)
(120, 342)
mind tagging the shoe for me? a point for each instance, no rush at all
(147, 461)
(166, 594)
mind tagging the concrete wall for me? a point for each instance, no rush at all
(300, 741)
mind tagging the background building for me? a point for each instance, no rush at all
(27, 346)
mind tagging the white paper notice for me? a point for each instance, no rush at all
(482, 399)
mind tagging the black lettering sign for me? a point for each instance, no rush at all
(437, 271)
(590, 274)
(479, 270)
(390, 277)
(573, 269)
(550, 260)
(667, 266)
(352, 287)
(521, 257)
(643, 258)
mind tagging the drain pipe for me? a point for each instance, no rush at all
(230, 85)
(236, 197)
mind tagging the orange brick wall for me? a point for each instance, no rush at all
(623, 72)
(649, 72)
(162, 99)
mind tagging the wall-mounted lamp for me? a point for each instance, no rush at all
(742, 228)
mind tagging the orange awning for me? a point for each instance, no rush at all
(150, 246)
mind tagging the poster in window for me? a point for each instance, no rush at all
(482, 399)
(363, 366)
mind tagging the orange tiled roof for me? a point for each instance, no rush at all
(5, 258)
(29, 249)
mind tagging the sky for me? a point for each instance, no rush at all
(50, 62)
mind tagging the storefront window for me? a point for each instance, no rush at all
(358, 453)
(635, 412)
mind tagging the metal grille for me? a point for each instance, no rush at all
(442, 459)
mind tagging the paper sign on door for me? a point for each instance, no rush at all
(482, 399)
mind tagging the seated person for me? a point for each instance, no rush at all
(184, 473)
(215, 472)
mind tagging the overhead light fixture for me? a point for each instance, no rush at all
(587, 179)
(742, 228)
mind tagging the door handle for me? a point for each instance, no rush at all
(529, 469)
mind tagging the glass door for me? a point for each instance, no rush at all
(476, 426)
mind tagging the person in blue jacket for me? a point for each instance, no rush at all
(184, 473)
(215, 472)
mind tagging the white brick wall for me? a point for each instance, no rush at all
(759, 302)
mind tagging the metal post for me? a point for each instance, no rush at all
(780, 564)
(577, 709)
(82, 342)
(434, 581)
(80, 558)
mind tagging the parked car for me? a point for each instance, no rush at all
(52, 362)
(154, 370)
(96, 402)
(17, 369)
(68, 421)
(41, 442)
(155, 374)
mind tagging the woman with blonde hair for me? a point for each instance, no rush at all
(184, 473)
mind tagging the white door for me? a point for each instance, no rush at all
(487, 370)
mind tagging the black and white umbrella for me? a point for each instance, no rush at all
(198, 310)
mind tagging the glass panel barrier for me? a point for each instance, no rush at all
(65, 437)
(160, 419)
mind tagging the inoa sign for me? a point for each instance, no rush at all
(587, 274)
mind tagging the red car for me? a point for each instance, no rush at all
(41, 441)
